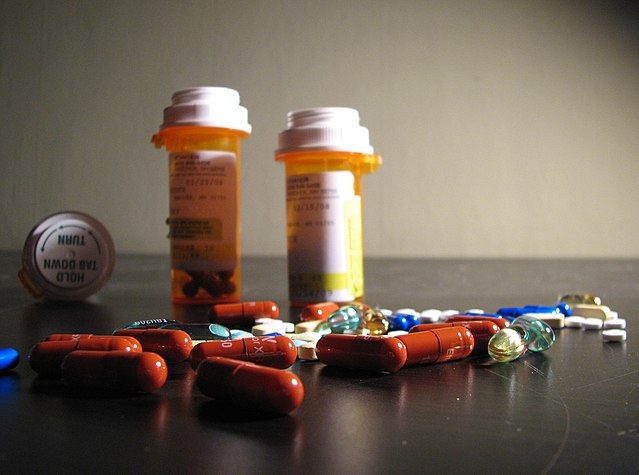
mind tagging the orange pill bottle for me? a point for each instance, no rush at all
(202, 130)
(326, 152)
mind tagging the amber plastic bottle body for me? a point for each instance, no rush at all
(313, 241)
(204, 216)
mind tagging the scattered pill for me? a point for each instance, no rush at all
(371, 353)
(345, 318)
(573, 299)
(499, 321)
(437, 345)
(242, 314)
(574, 321)
(46, 357)
(239, 334)
(172, 345)
(9, 359)
(306, 336)
(482, 331)
(614, 335)
(249, 385)
(592, 323)
(318, 311)
(448, 313)
(431, 315)
(307, 326)
(395, 333)
(200, 331)
(375, 322)
(274, 351)
(114, 370)
(307, 351)
(617, 323)
(263, 329)
(601, 312)
(554, 320)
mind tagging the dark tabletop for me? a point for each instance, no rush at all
(571, 409)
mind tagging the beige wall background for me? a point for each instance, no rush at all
(508, 128)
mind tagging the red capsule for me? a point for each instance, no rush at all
(371, 353)
(318, 311)
(85, 336)
(46, 357)
(482, 331)
(115, 371)
(274, 351)
(242, 314)
(249, 385)
(436, 346)
(172, 345)
(500, 322)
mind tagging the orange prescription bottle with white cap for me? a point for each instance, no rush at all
(202, 130)
(326, 152)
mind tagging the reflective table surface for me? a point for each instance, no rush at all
(571, 409)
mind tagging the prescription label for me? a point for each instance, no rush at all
(324, 237)
(203, 210)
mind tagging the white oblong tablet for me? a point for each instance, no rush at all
(574, 321)
(614, 335)
(617, 323)
(592, 324)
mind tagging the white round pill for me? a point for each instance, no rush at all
(431, 315)
(592, 324)
(614, 335)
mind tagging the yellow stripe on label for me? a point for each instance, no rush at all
(301, 283)
(353, 225)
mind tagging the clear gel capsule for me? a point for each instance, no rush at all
(375, 322)
(573, 299)
(9, 359)
(525, 333)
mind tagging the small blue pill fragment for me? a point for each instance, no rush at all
(9, 359)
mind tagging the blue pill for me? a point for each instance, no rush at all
(9, 359)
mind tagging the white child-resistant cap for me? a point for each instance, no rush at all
(67, 256)
(207, 107)
(324, 128)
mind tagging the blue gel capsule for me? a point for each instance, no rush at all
(345, 319)
(408, 319)
(9, 359)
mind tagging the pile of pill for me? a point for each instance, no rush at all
(246, 346)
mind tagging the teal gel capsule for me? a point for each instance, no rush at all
(525, 333)
(345, 319)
